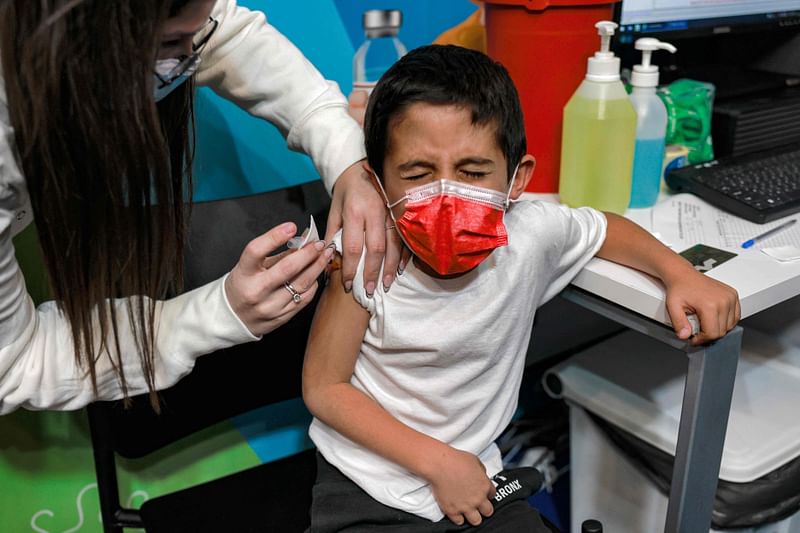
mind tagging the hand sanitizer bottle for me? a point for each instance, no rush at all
(651, 126)
(380, 49)
(598, 135)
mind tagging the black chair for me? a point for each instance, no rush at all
(270, 497)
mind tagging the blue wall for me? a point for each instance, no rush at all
(238, 154)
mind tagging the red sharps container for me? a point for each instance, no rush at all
(544, 45)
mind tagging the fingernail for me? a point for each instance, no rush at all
(685, 332)
(288, 228)
(400, 268)
(387, 283)
(319, 245)
(348, 286)
(328, 252)
(370, 288)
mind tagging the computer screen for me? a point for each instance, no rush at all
(697, 17)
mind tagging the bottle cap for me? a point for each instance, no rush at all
(604, 66)
(591, 526)
(382, 22)
(645, 74)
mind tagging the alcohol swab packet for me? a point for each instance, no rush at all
(310, 234)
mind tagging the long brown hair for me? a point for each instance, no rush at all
(108, 171)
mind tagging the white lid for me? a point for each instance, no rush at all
(645, 74)
(637, 383)
(604, 66)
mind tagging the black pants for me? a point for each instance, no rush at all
(339, 505)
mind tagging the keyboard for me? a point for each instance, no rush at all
(759, 187)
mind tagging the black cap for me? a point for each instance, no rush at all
(591, 526)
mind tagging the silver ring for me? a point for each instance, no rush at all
(296, 296)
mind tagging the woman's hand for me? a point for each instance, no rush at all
(715, 304)
(461, 487)
(358, 207)
(256, 287)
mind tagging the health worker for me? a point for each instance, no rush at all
(96, 117)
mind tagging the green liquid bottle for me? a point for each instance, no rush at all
(599, 136)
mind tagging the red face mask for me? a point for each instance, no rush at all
(452, 226)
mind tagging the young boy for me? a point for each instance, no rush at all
(410, 387)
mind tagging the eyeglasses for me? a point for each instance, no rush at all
(188, 64)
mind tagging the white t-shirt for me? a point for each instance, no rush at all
(445, 357)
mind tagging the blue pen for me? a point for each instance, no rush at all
(770, 233)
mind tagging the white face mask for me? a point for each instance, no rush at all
(169, 74)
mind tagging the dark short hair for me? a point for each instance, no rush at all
(446, 75)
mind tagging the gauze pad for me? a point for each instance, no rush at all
(309, 235)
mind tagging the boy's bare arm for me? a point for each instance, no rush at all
(688, 292)
(333, 347)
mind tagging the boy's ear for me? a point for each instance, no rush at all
(524, 174)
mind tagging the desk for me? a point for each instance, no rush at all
(637, 300)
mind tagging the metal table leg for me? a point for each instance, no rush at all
(704, 413)
(701, 436)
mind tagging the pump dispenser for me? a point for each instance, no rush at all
(604, 66)
(651, 125)
(646, 74)
(598, 135)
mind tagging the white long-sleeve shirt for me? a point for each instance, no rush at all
(248, 62)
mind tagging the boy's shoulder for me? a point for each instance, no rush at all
(541, 206)
(549, 210)
(542, 213)
(537, 224)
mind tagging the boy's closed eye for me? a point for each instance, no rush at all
(475, 174)
(416, 170)
(476, 167)
(469, 174)
(414, 177)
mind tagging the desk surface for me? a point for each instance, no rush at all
(760, 280)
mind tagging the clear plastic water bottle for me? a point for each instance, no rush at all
(380, 49)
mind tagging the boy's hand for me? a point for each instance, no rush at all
(688, 292)
(462, 489)
(715, 304)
